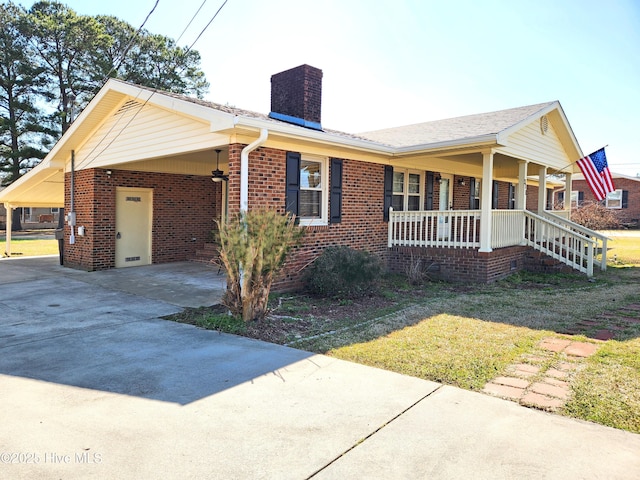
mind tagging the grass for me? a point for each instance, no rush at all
(466, 335)
(623, 250)
(450, 349)
(608, 390)
(30, 247)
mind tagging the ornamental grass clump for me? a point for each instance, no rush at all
(253, 248)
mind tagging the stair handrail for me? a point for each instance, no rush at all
(584, 231)
(590, 242)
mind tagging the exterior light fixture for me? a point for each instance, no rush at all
(461, 182)
(217, 175)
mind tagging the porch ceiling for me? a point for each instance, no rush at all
(467, 164)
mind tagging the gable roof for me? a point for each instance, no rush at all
(44, 184)
(457, 128)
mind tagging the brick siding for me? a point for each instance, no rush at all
(184, 208)
(631, 214)
(460, 264)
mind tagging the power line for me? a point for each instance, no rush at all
(191, 21)
(129, 45)
(126, 50)
(90, 160)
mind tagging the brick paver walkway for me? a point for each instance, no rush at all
(543, 381)
(608, 325)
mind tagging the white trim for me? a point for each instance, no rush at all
(618, 193)
(324, 191)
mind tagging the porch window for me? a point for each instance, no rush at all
(476, 195)
(407, 191)
(614, 199)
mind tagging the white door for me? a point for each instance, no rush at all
(446, 196)
(133, 226)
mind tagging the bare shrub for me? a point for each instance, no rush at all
(595, 216)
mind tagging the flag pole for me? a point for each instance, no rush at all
(576, 161)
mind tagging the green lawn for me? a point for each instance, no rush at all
(623, 250)
(29, 247)
(470, 338)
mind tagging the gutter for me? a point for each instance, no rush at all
(244, 168)
(369, 146)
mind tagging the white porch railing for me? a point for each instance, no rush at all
(433, 228)
(600, 240)
(461, 229)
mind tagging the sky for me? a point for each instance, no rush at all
(389, 63)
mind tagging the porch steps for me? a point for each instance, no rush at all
(208, 254)
(536, 261)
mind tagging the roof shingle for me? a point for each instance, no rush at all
(457, 128)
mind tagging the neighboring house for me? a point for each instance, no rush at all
(625, 201)
(455, 192)
(44, 217)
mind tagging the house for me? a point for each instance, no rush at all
(625, 201)
(134, 174)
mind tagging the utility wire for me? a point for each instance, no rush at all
(89, 160)
(191, 21)
(128, 47)
(126, 50)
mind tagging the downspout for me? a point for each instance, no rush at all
(244, 168)
(244, 184)
(71, 219)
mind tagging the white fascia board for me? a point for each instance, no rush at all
(482, 141)
(366, 145)
(320, 136)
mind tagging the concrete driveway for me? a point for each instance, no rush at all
(93, 384)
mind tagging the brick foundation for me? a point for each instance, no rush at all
(460, 264)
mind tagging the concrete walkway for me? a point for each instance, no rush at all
(93, 384)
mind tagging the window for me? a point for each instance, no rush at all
(307, 188)
(407, 190)
(311, 189)
(614, 199)
(55, 209)
(476, 195)
(575, 199)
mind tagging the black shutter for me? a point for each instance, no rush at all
(495, 194)
(292, 196)
(429, 191)
(625, 199)
(388, 191)
(472, 193)
(580, 198)
(336, 191)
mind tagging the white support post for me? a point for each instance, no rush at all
(521, 195)
(485, 202)
(542, 190)
(567, 194)
(9, 222)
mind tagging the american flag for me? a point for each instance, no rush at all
(596, 172)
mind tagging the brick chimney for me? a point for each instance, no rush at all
(296, 96)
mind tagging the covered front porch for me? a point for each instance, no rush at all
(502, 234)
